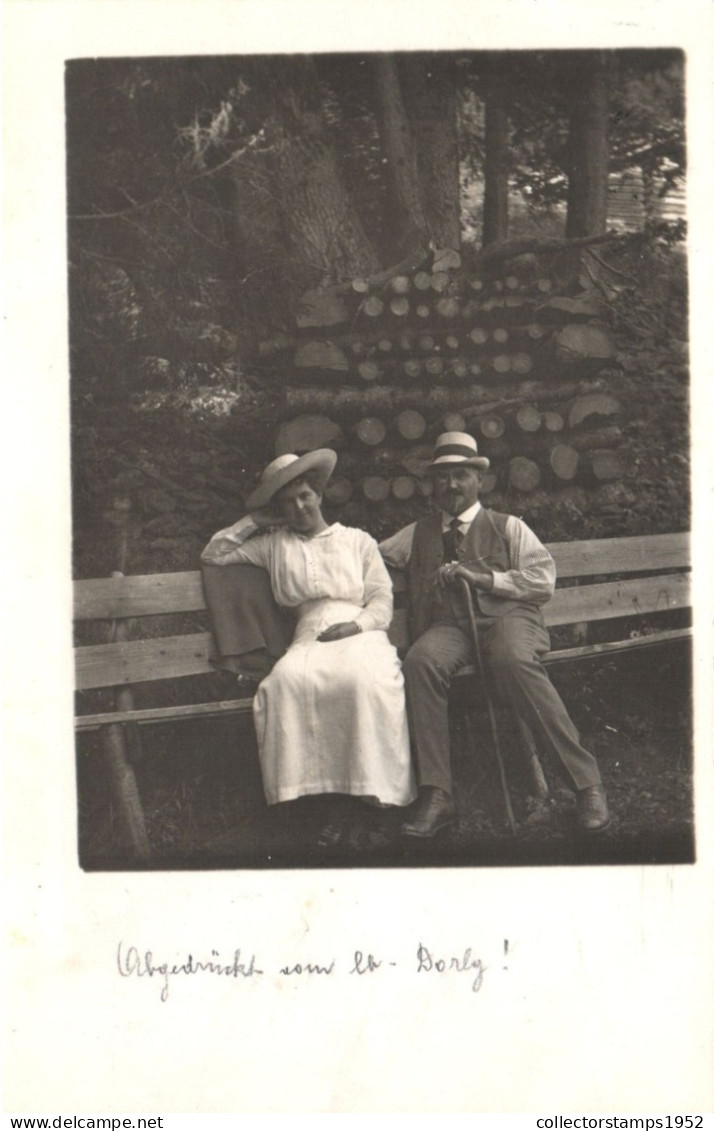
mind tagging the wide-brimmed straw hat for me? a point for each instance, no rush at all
(457, 447)
(288, 467)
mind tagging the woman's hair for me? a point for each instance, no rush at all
(312, 478)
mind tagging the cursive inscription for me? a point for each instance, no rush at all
(133, 964)
(308, 968)
(427, 964)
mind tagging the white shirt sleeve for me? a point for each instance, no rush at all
(377, 613)
(236, 545)
(532, 573)
(397, 550)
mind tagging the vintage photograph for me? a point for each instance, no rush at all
(379, 388)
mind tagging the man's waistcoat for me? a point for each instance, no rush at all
(484, 544)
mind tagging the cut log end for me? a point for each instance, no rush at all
(368, 370)
(370, 431)
(399, 306)
(607, 465)
(338, 490)
(320, 355)
(489, 479)
(522, 363)
(581, 341)
(592, 405)
(564, 461)
(305, 433)
(523, 474)
(375, 488)
(528, 418)
(448, 308)
(410, 424)
(373, 306)
(491, 426)
(400, 284)
(446, 259)
(553, 421)
(453, 422)
(502, 363)
(403, 487)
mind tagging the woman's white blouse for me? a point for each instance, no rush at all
(341, 562)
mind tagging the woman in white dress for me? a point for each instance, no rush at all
(330, 717)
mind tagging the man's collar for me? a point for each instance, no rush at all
(465, 517)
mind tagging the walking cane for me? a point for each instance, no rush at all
(489, 704)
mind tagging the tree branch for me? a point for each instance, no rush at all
(141, 205)
(512, 248)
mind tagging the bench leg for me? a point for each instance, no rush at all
(125, 792)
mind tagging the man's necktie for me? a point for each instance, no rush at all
(452, 541)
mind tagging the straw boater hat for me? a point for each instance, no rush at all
(457, 447)
(288, 467)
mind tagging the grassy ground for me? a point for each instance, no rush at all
(201, 791)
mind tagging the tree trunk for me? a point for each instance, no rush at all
(429, 84)
(326, 239)
(404, 221)
(496, 160)
(588, 147)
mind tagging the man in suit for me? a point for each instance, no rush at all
(511, 575)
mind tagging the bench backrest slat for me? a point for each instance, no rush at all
(621, 555)
(138, 661)
(153, 594)
(604, 600)
(113, 598)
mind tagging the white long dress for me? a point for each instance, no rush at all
(330, 717)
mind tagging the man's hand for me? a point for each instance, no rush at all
(339, 631)
(450, 573)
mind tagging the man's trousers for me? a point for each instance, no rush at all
(511, 647)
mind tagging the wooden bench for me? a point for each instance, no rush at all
(605, 580)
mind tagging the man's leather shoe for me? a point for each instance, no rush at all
(593, 815)
(434, 810)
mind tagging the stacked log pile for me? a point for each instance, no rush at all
(522, 359)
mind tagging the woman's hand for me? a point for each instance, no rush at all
(339, 631)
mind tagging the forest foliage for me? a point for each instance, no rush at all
(205, 195)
